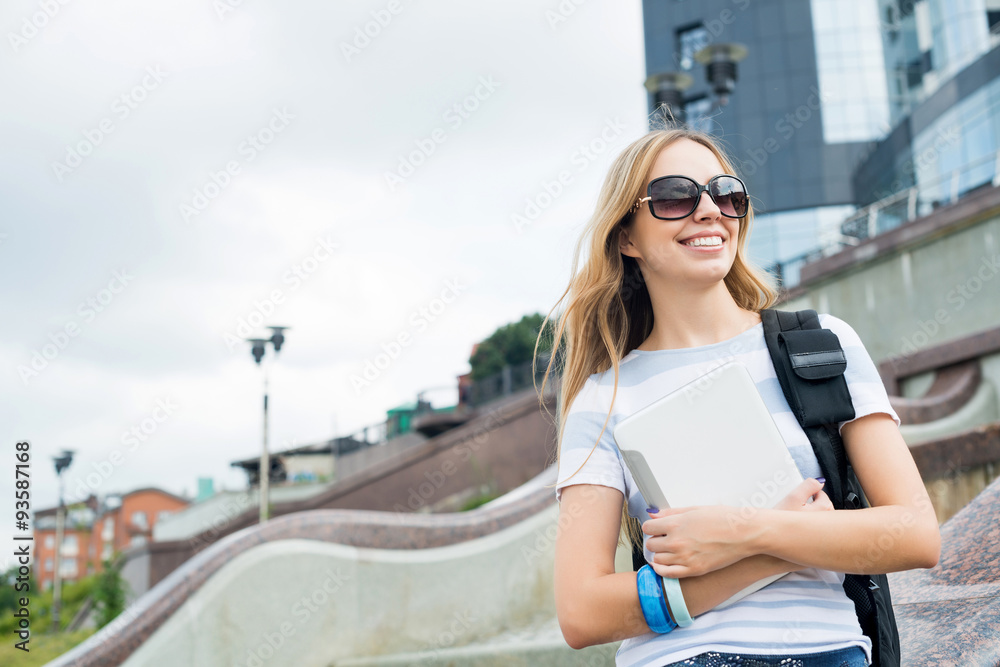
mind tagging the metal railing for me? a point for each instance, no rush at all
(506, 382)
(889, 213)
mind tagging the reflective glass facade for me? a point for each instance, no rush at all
(927, 42)
(850, 64)
(787, 236)
(839, 104)
(958, 152)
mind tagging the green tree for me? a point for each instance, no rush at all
(109, 593)
(8, 596)
(510, 344)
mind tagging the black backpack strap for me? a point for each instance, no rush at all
(810, 363)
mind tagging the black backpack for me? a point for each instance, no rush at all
(810, 365)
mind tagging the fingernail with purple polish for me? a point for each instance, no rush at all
(821, 480)
(652, 510)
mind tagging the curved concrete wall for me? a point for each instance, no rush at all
(506, 444)
(307, 603)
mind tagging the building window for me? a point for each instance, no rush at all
(689, 41)
(70, 546)
(48, 565)
(50, 541)
(139, 520)
(698, 114)
(67, 567)
(163, 514)
(993, 15)
(137, 541)
(109, 529)
(107, 552)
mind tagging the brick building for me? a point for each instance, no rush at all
(95, 530)
(77, 548)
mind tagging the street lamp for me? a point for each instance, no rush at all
(258, 349)
(62, 462)
(668, 91)
(720, 67)
(719, 60)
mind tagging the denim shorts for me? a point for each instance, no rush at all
(852, 656)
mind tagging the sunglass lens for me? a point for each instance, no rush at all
(673, 197)
(730, 197)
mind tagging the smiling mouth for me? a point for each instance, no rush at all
(703, 241)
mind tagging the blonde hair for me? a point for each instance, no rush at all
(609, 312)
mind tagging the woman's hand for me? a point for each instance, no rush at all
(691, 541)
(799, 497)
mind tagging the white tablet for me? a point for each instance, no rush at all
(710, 442)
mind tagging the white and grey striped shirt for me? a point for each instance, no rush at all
(803, 612)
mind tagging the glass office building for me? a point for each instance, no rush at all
(838, 105)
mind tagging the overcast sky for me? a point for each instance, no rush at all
(172, 170)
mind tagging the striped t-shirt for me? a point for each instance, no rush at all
(803, 612)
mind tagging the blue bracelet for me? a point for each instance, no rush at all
(654, 607)
(675, 597)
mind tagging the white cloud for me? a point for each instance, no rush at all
(322, 176)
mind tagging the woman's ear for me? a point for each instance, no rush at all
(625, 245)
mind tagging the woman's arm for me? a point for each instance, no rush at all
(899, 531)
(596, 605)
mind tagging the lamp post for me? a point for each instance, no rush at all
(720, 67)
(668, 91)
(668, 88)
(62, 462)
(258, 349)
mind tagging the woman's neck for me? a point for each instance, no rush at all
(692, 318)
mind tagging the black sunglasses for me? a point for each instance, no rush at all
(676, 197)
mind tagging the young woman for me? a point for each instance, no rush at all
(664, 295)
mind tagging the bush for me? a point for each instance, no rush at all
(109, 593)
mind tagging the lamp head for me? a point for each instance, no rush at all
(257, 349)
(720, 66)
(277, 337)
(63, 461)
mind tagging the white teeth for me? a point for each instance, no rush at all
(705, 240)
